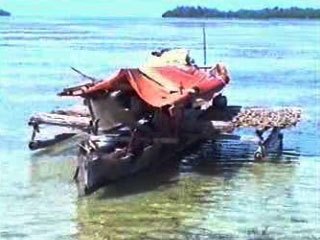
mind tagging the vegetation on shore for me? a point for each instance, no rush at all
(4, 13)
(266, 13)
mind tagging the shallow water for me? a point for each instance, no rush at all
(216, 191)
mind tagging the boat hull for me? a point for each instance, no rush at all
(97, 169)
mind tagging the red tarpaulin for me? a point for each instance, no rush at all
(160, 86)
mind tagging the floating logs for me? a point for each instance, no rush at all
(263, 118)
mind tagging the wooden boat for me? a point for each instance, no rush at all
(144, 116)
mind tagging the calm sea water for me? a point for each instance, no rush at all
(216, 191)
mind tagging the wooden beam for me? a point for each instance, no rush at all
(60, 120)
(38, 144)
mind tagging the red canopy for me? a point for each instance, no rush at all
(159, 86)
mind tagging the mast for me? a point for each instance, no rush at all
(204, 44)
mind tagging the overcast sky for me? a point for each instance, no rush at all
(139, 8)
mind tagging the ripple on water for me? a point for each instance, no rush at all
(258, 200)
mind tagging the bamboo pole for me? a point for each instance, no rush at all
(204, 45)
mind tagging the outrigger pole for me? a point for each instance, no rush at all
(204, 44)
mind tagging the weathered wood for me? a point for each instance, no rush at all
(213, 123)
(274, 142)
(75, 90)
(98, 163)
(78, 111)
(38, 144)
(60, 120)
(104, 167)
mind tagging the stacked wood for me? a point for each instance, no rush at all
(264, 118)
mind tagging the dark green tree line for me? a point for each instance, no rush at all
(266, 13)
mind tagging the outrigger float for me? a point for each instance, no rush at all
(144, 116)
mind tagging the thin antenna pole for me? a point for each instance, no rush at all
(204, 44)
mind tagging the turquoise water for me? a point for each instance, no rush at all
(217, 192)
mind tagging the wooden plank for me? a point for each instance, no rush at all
(76, 111)
(60, 120)
(38, 144)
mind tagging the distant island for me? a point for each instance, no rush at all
(266, 13)
(4, 13)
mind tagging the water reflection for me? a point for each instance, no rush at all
(56, 163)
(215, 192)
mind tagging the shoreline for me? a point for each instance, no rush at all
(122, 18)
(234, 18)
(261, 14)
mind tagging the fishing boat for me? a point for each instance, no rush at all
(144, 116)
(140, 117)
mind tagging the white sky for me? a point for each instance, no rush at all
(139, 8)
